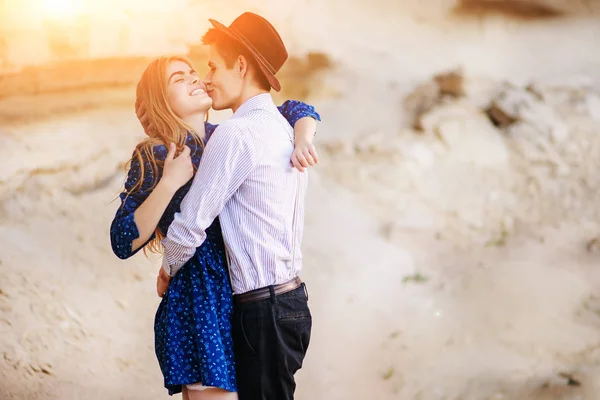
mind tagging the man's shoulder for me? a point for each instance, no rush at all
(232, 126)
(251, 121)
(259, 119)
(232, 132)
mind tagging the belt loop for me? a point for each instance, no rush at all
(272, 291)
(305, 290)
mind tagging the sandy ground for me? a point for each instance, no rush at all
(447, 264)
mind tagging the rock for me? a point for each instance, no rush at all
(421, 100)
(420, 153)
(538, 148)
(593, 105)
(481, 91)
(498, 117)
(428, 95)
(468, 135)
(570, 378)
(451, 83)
(517, 105)
(512, 101)
(593, 245)
(535, 90)
(338, 147)
(371, 143)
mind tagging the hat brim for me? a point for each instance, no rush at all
(273, 81)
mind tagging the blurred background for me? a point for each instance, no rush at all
(452, 229)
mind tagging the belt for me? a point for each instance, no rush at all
(265, 293)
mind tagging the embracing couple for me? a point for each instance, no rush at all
(226, 204)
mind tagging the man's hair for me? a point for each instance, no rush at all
(230, 49)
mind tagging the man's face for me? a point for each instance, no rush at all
(224, 84)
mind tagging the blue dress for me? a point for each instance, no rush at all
(192, 327)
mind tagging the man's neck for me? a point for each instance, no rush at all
(247, 94)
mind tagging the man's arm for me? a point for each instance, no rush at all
(227, 161)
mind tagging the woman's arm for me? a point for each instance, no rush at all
(123, 229)
(148, 214)
(303, 117)
(141, 210)
(177, 172)
(294, 110)
(305, 153)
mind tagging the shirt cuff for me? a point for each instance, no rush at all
(175, 258)
(166, 267)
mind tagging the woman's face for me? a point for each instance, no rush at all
(185, 92)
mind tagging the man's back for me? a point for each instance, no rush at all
(265, 215)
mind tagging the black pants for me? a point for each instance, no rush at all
(270, 339)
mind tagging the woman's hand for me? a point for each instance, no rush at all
(176, 173)
(178, 170)
(304, 155)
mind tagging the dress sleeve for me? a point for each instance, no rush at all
(123, 229)
(293, 110)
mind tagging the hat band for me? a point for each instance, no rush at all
(255, 51)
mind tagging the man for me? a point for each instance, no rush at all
(245, 177)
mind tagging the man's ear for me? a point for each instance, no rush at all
(242, 65)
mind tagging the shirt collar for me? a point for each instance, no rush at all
(263, 100)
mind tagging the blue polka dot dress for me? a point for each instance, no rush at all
(192, 326)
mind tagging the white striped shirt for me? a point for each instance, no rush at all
(245, 177)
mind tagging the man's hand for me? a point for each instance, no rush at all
(304, 156)
(140, 111)
(162, 282)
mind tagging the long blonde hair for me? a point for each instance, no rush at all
(167, 126)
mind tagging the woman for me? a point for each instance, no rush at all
(192, 326)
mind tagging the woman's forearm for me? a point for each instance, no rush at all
(148, 214)
(304, 130)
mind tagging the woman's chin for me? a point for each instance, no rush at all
(203, 104)
(209, 103)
